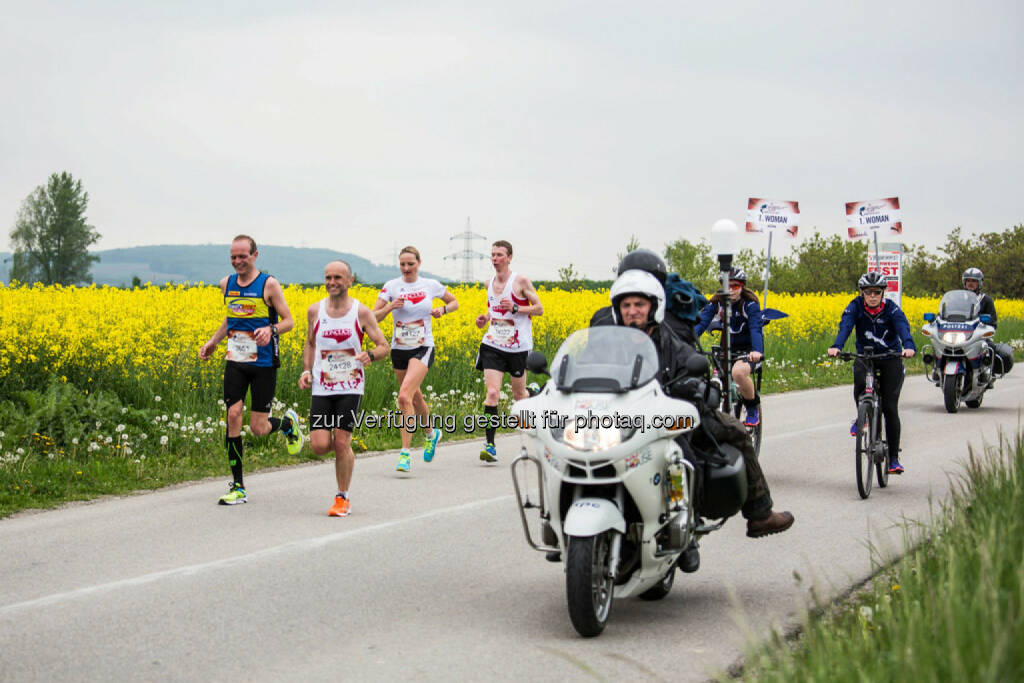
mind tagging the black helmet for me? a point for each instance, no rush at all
(871, 280)
(645, 260)
(738, 273)
(972, 274)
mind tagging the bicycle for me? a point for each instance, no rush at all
(871, 448)
(731, 403)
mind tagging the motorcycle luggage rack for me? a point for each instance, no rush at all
(525, 503)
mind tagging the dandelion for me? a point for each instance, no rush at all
(157, 399)
(74, 441)
(124, 410)
(866, 613)
(163, 440)
(197, 439)
(20, 451)
(119, 428)
(176, 416)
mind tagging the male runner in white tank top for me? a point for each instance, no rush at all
(511, 304)
(332, 362)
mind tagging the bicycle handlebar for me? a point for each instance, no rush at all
(847, 355)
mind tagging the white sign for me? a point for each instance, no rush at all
(863, 218)
(772, 214)
(891, 258)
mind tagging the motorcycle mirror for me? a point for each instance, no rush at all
(985, 318)
(929, 317)
(696, 365)
(537, 363)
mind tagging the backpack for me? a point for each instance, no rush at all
(684, 301)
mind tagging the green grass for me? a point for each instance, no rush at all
(952, 609)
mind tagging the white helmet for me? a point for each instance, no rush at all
(638, 283)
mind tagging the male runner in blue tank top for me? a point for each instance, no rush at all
(256, 314)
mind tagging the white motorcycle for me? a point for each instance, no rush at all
(617, 500)
(959, 360)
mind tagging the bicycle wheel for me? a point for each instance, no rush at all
(865, 440)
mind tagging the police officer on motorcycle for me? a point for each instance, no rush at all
(638, 300)
(972, 280)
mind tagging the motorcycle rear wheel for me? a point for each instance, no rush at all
(588, 583)
(662, 588)
(865, 447)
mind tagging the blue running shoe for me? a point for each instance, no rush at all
(895, 467)
(489, 454)
(431, 445)
(853, 428)
(753, 417)
(403, 462)
(532, 389)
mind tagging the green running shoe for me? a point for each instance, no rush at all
(234, 496)
(293, 437)
(403, 462)
(431, 445)
(489, 454)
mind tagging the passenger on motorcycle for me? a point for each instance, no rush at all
(881, 324)
(745, 337)
(972, 280)
(638, 300)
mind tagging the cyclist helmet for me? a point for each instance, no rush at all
(645, 260)
(739, 274)
(972, 274)
(638, 283)
(872, 280)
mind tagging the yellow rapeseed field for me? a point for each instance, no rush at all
(154, 333)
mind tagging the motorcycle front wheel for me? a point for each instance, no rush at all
(588, 583)
(951, 392)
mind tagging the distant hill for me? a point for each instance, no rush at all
(210, 262)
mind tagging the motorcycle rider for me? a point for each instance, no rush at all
(745, 337)
(638, 300)
(972, 280)
(880, 323)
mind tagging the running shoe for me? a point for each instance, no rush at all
(532, 389)
(341, 507)
(234, 496)
(853, 428)
(489, 454)
(293, 436)
(403, 462)
(431, 445)
(753, 416)
(895, 467)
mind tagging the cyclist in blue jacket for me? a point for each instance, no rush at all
(881, 324)
(745, 336)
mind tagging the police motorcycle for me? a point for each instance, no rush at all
(616, 500)
(959, 360)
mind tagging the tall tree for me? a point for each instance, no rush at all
(51, 237)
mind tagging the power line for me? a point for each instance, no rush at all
(467, 255)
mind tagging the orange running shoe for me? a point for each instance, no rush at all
(341, 507)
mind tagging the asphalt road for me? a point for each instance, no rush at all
(430, 578)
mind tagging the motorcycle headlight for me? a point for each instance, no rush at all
(954, 337)
(591, 438)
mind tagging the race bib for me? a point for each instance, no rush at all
(411, 334)
(339, 366)
(242, 347)
(502, 331)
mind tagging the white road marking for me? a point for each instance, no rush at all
(194, 569)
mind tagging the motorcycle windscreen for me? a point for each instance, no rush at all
(605, 359)
(959, 306)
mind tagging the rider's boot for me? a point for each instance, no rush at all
(689, 561)
(774, 523)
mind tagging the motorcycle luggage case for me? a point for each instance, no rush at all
(725, 486)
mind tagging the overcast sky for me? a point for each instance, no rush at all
(563, 127)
